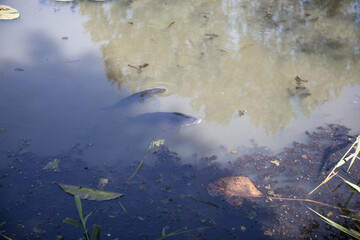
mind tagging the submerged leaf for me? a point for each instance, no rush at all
(53, 165)
(72, 221)
(8, 13)
(89, 193)
(234, 189)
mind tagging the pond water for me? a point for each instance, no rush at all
(257, 73)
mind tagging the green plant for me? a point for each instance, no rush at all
(95, 234)
(177, 232)
(347, 156)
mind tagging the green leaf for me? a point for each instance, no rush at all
(177, 232)
(72, 221)
(79, 207)
(89, 193)
(349, 231)
(8, 13)
(87, 216)
(95, 232)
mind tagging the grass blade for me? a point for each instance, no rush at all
(177, 232)
(356, 187)
(72, 221)
(323, 182)
(95, 234)
(85, 219)
(350, 231)
(357, 150)
(344, 159)
(79, 207)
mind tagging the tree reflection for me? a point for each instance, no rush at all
(231, 55)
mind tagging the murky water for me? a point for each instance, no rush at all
(234, 64)
(216, 59)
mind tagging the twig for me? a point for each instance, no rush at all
(203, 201)
(122, 206)
(170, 25)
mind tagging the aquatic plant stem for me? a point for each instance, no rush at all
(313, 201)
(203, 201)
(153, 143)
(143, 160)
(323, 182)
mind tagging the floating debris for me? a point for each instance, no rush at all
(299, 80)
(170, 25)
(139, 67)
(53, 165)
(223, 51)
(211, 36)
(191, 42)
(102, 183)
(276, 162)
(242, 112)
(300, 90)
(247, 46)
(8, 13)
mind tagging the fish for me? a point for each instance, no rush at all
(136, 98)
(165, 119)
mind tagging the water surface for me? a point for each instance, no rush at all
(61, 63)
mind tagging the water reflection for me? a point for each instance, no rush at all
(228, 56)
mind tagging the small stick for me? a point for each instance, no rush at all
(170, 25)
(122, 206)
(191, 42)
(203, 201)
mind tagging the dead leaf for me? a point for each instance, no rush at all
(234, 189)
